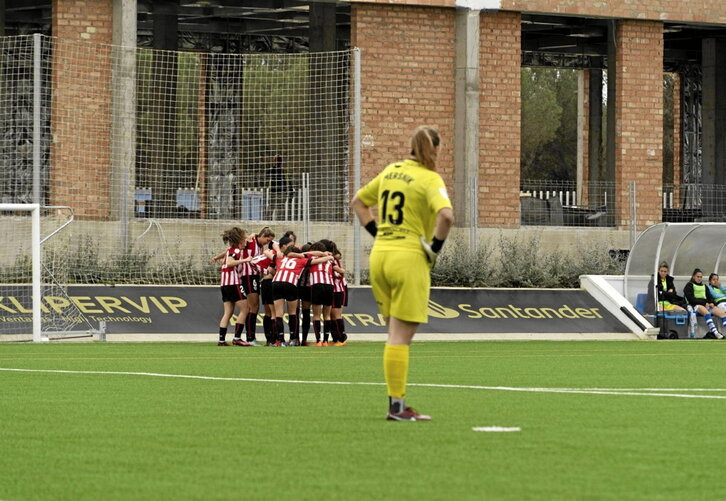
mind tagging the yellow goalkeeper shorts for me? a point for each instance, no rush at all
(401, 281)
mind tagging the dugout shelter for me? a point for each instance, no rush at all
(684, 246)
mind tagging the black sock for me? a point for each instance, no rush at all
(273, 330)
(222, 334)
(293, 327)
(305, 323)
(341, 330)
(279, 329)
(335, 327)
(267, 327)
(238, 327)
(326, 330)
(250, 324)
(316, 329)
(396, 405)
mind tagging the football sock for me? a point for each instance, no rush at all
(335, 330)
(396, 405)
(316, 329)
(709, 322)
(250, 324)
(395, 369)
(279, 329)
(266, 327)
(293, 327)
(723, 321)
(222, 333)
(238, 327)
(306, 323)
(341, 329)
(326, 330)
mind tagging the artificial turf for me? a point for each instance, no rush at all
(265, 432)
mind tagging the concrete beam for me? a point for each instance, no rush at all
(466, 120)
(123, 135)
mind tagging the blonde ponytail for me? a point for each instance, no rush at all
(424, 143)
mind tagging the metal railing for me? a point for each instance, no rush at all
(564, 203)
(689, 202)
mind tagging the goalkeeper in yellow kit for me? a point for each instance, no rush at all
(415, 216)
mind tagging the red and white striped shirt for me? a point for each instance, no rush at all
(251, 249)
(290, 268)
(229, 273)
(321, 273)
(339, 280)
(262, 262)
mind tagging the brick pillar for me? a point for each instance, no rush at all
(639, 120)
(81, 114)
(407, 80)
(500, 119)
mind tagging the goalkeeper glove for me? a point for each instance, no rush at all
(432, 249)
(372, 228)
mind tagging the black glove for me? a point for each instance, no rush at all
(372, 228)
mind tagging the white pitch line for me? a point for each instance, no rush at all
(497, 429)
(585, 391)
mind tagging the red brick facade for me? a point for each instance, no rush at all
(408, 78)
(499, 119)
(81, 149)
(704, 11)
(639, 118)
(407, 66)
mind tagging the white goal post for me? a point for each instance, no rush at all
(35, 277)
(34, 210)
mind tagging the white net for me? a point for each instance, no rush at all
(158, 152)
(61, 316)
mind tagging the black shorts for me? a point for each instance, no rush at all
(304, 293)
(250, 284)
(284, 290)
(266, 291)
(232, 293)
(322, 294)
(340, 299)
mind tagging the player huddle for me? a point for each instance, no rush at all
(308, 283)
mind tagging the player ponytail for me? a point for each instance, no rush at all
(266, 232)
(234, 236)
(424, 142)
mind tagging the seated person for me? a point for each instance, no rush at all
(718, 294)
(700, 300)
(668, 300)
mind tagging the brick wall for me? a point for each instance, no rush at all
(407, 80)
(499, 119)
(81, 149)
(705, 11)
(639, 117)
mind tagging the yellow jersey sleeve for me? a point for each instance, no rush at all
(368, 194)
(437, 195)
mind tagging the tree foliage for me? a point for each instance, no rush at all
(549, 123)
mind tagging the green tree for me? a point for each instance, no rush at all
(541, 114)
(549, 123)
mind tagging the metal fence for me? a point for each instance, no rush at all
(564, 203)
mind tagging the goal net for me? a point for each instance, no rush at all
(158, 152)
(34, 300)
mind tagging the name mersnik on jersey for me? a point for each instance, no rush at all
(401, 176)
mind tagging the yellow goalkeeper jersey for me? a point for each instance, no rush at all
(408, 196)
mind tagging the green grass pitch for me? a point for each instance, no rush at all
(593, 424)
